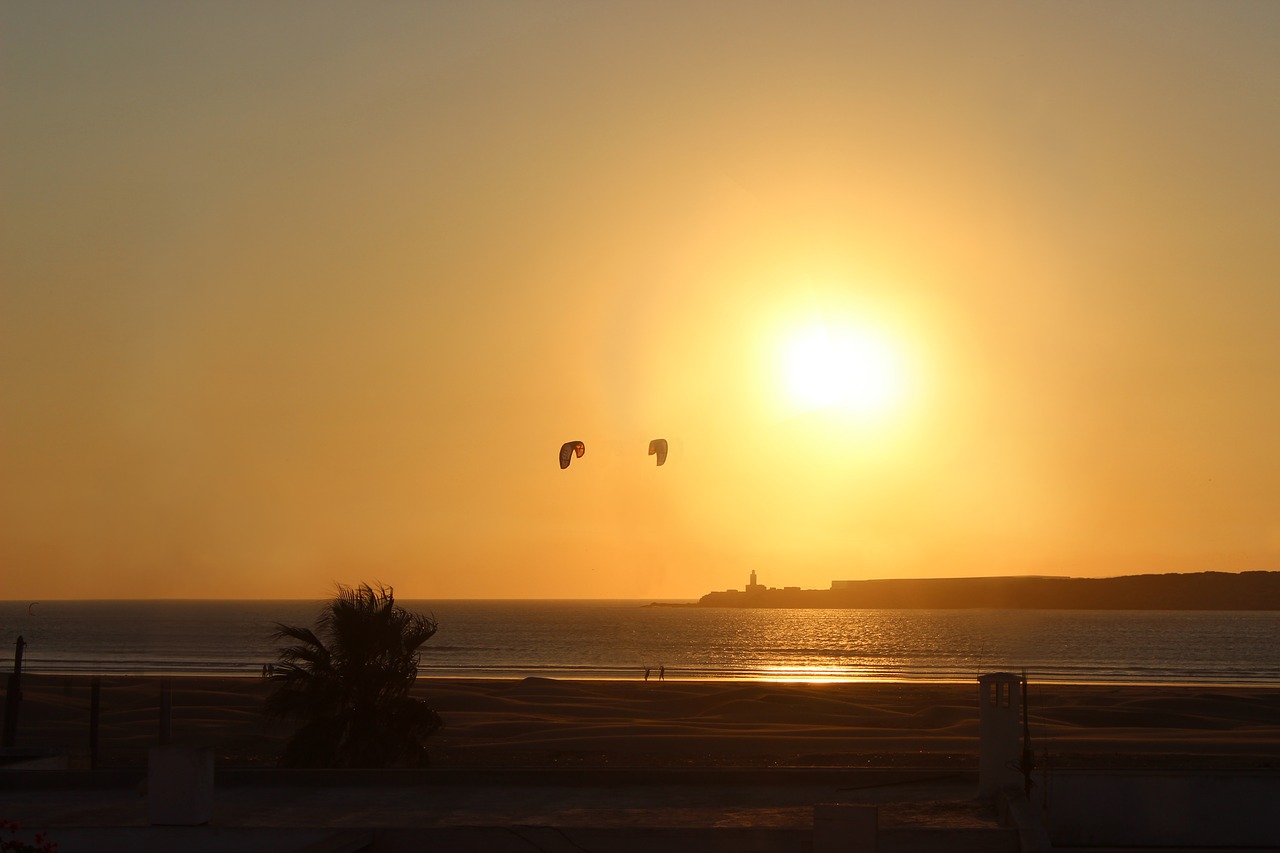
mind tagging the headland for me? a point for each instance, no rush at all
(1185, 591)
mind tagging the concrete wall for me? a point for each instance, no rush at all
(505, 839)
(33, 758)
(1202, 808)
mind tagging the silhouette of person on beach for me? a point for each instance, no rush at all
(662, 673)
(646, 673)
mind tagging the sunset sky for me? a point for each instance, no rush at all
(302, 292)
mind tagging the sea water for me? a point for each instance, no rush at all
(621, 639)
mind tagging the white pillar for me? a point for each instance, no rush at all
(179, 785)
(1000, 726)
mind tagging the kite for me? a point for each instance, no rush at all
(570, 449)
(31, 608)
(658, 447)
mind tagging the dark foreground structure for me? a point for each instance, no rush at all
(770, 811)
(952, 778)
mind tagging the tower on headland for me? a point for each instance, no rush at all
(752, 586)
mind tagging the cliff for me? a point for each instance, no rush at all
(1192, 591)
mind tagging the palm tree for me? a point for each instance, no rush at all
(348, 681)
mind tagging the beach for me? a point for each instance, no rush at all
(539, 722)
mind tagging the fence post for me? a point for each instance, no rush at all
(166, 711)
(13, 697)
(95, 715)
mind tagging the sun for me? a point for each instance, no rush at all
(825, 365)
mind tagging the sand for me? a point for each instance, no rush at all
(559, 723)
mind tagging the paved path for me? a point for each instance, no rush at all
(772, 798)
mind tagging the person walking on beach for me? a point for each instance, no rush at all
(646, 673)
(662, 673)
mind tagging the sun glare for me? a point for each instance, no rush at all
(854, 369)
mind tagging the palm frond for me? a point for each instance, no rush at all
(347, 683)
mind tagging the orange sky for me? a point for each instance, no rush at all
(295, 293)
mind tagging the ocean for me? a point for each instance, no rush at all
(620, 639)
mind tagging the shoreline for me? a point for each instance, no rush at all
(251, 673)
